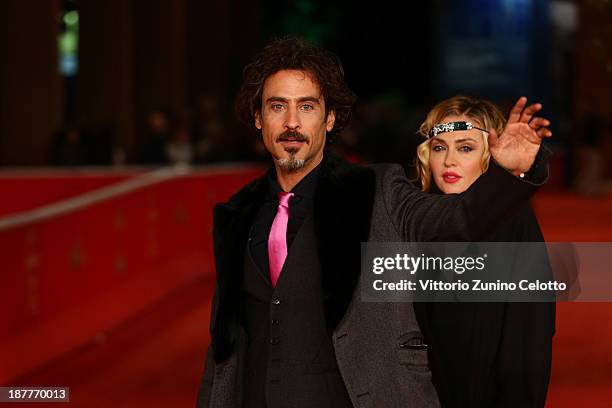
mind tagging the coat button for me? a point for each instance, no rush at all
(275, 322)
(276, 302)
(274, 340)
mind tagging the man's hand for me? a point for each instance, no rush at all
(518, 145)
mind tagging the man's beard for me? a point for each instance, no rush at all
(291, 164)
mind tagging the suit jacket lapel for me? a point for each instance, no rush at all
(232, 221)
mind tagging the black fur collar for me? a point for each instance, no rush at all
(342, 210)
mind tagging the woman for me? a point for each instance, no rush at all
(480, 354)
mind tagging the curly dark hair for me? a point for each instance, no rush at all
(294, 53)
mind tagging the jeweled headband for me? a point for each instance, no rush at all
(451, 127)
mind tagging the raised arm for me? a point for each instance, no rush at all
(470, 216)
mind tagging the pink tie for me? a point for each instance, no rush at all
(277, 241)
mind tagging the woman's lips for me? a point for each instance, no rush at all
(451, 177)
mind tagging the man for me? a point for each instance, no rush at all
(288, 328)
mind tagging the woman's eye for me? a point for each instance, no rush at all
(438, 148)
(466, 149)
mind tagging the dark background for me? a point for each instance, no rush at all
(184, 58)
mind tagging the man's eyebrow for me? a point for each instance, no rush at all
(301, 99)
(276, 99)
(309, 99)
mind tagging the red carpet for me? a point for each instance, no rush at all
(582, 360)
(155, 360)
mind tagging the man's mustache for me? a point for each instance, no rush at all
(292, 135)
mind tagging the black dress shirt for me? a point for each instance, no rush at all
(300, 207)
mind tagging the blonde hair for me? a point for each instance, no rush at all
(483, 113)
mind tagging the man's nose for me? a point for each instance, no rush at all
(292, 120)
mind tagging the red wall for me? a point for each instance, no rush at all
(71, 276)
